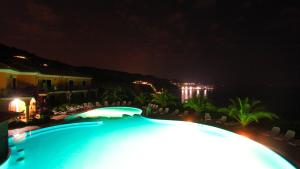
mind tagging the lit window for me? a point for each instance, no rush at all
(20, 57)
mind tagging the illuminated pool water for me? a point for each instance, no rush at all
(138, 143)
(107, 112)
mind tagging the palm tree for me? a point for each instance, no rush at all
(200, 104)
(164, 99)
(142, 99)
(114, 94)
(246, 111)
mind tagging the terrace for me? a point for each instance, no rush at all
(92, 113)
(166, 132)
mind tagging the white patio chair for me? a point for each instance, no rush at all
(185, 113)
(106, 103)
(166, 110)
(98, 104)
(223, 119)
(207, 117)
(175, 112)
(289, 135)
(274, 132)
(160, 110)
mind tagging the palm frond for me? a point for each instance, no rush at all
(247, 111)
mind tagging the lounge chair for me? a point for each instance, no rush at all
(294, 142)
(106, 103)
(223, 119)
(290, 138)
(129, 103)
(289, 135)
(185, 113)
(207, 117)
(98, 104)
(85, 106)
(90, 105)
(274, 132)
(175, 112)
(118, 103)
(160, 110)
(123, 103)
(166, 110)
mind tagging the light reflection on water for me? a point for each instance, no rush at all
(187, 93)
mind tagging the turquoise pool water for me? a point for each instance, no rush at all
(138, 143)
(110, 112)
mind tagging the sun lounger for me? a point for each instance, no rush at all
(175, 112)
(85, 106)
(223, 119)
(185, 113)
(274, 132)
(166, 110)
(294, 142)
(98, 104)
(90, 105)
(207, 117)
(160, 110)
(289, 135)
(106, 103)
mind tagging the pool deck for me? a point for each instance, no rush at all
(290, 152)
(282, 147)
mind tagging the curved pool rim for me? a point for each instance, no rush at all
(48, 130)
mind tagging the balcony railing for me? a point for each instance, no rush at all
(29, 91)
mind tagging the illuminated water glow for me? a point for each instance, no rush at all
(108, 112)
(137, 142)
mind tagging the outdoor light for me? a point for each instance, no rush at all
(16, 104)
(20, 57)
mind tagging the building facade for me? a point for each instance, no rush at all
(21, 90)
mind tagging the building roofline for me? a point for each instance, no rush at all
(40, 74)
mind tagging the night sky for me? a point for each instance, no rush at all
(209, 41)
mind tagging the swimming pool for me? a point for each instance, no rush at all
(110, 112)
(137, 142)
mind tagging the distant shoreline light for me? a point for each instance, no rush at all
(20, 57)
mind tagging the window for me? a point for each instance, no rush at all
(71, 84)
(14, 83)
(49, 84)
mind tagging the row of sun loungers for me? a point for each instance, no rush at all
(289, 136)
(106, 103)
(89, 106)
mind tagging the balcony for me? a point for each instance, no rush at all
(31, 91)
